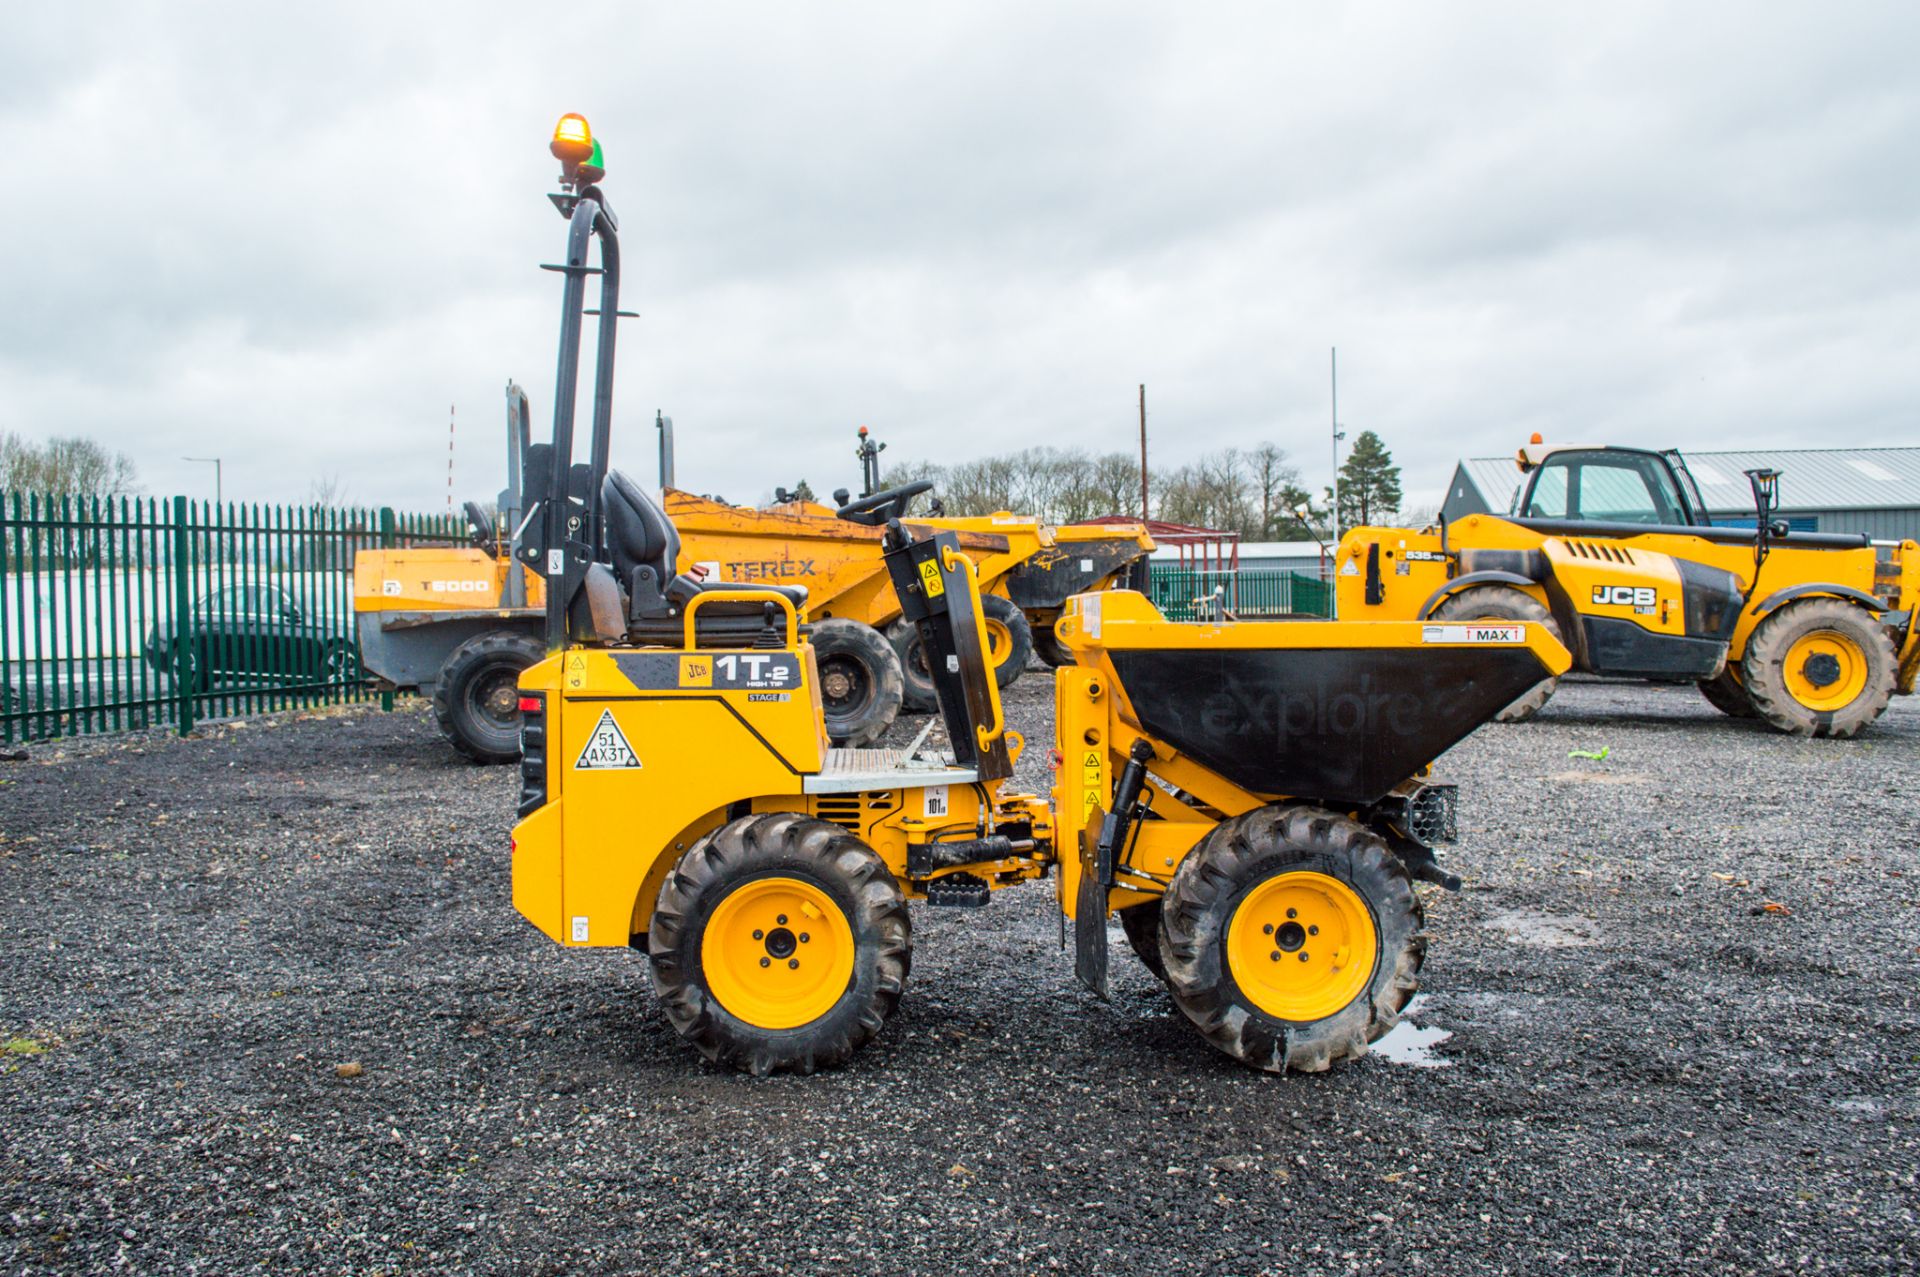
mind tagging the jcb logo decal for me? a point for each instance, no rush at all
(696, 671)
(1624, 595)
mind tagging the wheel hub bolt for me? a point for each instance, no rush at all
(781, 920)
(1293, 913)
(1303, 955)
(1268, 929)
(1274, 956)
(793, 964)
(1313, 931)
(766, 962)
(804, 937)
(759, 935)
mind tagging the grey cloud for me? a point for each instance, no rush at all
(295, 236)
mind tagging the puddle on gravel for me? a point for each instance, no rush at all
(1543, 930)
(1410, 1043)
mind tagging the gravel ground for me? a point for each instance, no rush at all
(1674, 1013)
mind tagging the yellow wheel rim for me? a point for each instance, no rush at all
(778, 953)
(1301, 946)
(999, 642)
(1825, 670)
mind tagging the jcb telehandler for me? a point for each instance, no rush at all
(1253, 799)
(1612, 550)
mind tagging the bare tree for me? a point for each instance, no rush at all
(328, 490)
(64, 465)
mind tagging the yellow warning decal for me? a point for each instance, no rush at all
(696, 671)
(930, 578)
(1090, 787)
(576, 671)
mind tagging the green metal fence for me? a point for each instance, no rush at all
(122, 613)
(1188, 594)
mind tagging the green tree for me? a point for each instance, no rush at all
(1369, 483)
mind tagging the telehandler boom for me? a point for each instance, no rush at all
(1253, 800)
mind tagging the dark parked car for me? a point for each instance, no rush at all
(251, 634)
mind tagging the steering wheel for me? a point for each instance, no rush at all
(889, 503)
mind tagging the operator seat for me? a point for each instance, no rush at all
(644, 545)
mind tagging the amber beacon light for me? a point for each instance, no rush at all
(572, 139)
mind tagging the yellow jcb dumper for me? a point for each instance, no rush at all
(1253, 799)
(1612, 549)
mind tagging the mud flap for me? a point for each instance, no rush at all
(1090, 913)
(1098, 856)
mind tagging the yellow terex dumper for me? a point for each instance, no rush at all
(1612, 549)
(458, 623)
(1254, 799)
(1028, 569)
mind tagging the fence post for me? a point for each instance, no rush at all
(184, 674)
(386, 543)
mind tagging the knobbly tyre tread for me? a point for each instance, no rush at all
(1725, 693)
(1504, 603)
(840, 635)
(1764, 668)
(467, 662)
(905, 638)
(1141, 923)
(1048, 647)
(1234, 857)
(783, 843)
(1004, 610)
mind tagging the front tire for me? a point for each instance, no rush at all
(1504, 603)
(1141, 923)
(1819, 667)
(476, 699)
(779, 942)
(860, 680)
(1292, 938)
(1726, 693)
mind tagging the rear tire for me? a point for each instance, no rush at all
(860, 680)
(1726, 693)
(1819, 667)
(1009, 648)
(477, 697)
(1048, 647)
(1504, 603)
(756, 895)
(1292, 938)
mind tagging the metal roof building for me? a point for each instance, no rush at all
(1870, 490)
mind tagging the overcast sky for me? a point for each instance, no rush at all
(291, 237)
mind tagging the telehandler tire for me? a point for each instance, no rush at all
(1504, 603)
(1009, 648)
(1819, 667)
(1142, 926)
(860, 680)
(1726, 694)
(1292, 938)
(779, 942)
(477, 696)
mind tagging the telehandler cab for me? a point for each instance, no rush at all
(1253, 799)
(1612, 549)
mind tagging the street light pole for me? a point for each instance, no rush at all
(215, 463)
(1333, 368)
